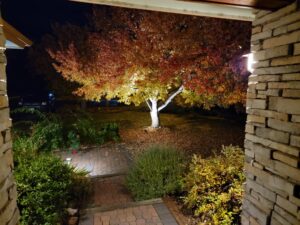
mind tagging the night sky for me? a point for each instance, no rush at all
(34, 18)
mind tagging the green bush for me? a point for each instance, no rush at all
(214, 187)
(48, 134)
(156, 173)
(73, 140)
(24, 147)
(43, 183)
(90, 133)
(45, 187)
(110, 131)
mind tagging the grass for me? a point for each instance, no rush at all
(191, 132)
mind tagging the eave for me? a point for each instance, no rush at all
(183, 7)
(14, 38)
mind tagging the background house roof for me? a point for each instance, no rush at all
(14, 39)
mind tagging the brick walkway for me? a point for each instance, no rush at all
(144, 214)
(110, 203)
(100, 161)
(114, 189)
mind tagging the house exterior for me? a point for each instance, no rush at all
(272, 139)
(12, 39)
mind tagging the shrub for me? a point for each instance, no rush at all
(90, 133)
(48, 134)
(45, 187)
(73, 140)
(24, 147)
(43, 183)
(156, 173)
(110, 131)
(214, 187)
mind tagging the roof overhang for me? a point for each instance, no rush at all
(14, 38)
(198, 8)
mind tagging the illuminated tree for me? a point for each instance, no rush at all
(140, 56)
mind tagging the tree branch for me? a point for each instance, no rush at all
(180, 89)
(148, 105)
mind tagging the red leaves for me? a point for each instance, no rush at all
(164, 49)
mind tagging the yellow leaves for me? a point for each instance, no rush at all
(214, 186)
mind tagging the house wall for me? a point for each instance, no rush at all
(272, 142)
(9, 213)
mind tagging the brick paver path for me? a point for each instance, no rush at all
(100, 161)
(110, 203)
(140, 215)
(109, 191)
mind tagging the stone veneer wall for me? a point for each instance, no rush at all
(9, 213)
(272, 143)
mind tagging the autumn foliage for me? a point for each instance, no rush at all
(141, 56)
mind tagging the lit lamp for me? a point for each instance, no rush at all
(250, 62)
(68, 161)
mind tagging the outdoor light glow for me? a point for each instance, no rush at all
(68, 161)
(250, 62)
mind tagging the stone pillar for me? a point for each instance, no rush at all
(9, 213)
(272, 142)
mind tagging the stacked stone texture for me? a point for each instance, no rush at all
(272, 143)
(9, 213)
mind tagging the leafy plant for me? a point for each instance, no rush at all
(80, 188)
(156, 173)
(90, 133)
(43, 183)
(214, 187)
(73, 140)
(48, 134)
(110, 131)
(24, 147)
(45, 188)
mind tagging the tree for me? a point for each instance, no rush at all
(40, 62)
(141, 56)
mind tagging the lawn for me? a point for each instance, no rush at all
(189, 131)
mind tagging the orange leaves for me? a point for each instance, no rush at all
(163, 50)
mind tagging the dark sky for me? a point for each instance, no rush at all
(34, 18)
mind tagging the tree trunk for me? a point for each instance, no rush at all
(154, 109)
(154, 114)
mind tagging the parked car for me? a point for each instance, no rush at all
(45, 103)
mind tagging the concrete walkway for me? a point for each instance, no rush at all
(110, 203)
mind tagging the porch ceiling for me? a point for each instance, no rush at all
(227, 9)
